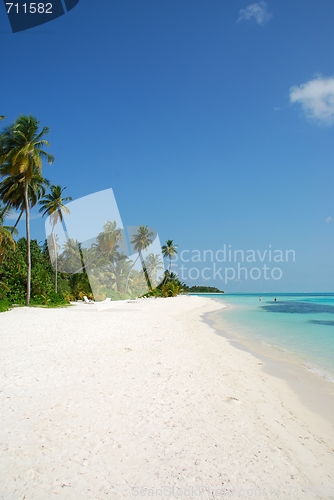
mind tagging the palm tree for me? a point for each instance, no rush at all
(120, 269)
(107, 241)
(101, 259)
(140, 241)
(153, 264)
(53, 205)
(21, 153)
(169, 250)
(99, 253)
(12, 192)
(70, 257)
(6, 238)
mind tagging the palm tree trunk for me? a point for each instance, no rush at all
(145, 272)
(26, 201)
(128, 277)
(56, 257)
(64, 228)
(56, 284)
(83, 268)
(170, 262)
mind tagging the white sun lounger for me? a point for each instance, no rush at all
(87, 301)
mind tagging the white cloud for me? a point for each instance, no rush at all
(14, 216)
(257, 11)
(35, 216)
(316, 98)
(329, 219)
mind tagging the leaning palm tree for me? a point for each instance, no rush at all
(12, 192)
(21, 153)
(153, 264)
(140, 241)
(53, 205)
(169, 250)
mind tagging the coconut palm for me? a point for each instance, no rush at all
(12, 192)
(140, 241)
(102, 258)
(169, 250)
(53, 205)
(70, 256)
(153, 264)
(121, 269)
(107, 241)
(102, 251)
(21, 153)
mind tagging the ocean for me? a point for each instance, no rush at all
(300, 325)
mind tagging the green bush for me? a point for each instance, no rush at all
(4, 306)
(13, 276)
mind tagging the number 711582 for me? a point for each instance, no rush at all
(30, 8)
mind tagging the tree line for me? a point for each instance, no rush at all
(52, 274)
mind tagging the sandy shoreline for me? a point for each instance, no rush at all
(312, 389)
(140, 398)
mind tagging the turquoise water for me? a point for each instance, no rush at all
(301, 324)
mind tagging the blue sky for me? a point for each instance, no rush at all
(211, 120)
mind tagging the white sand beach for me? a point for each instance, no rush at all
(143, 399)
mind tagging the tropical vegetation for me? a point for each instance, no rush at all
(21, 156)
(52, 205)
(53, 274)
(169, 250)
(203, 289)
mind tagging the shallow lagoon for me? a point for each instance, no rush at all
(299, 324)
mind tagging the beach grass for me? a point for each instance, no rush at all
(6, 306)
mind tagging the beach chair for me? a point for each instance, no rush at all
(87, 301)
(107, 299)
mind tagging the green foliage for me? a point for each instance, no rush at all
(169, 250)
(6, 238)
(4, 306)
(26, 267)
(171, 289)
(80, 286)
(13, 275)
(21, 155)
(171, 286)
(203, 289)
(26, 272)
(53, 299)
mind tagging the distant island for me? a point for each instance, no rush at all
(203, 289)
